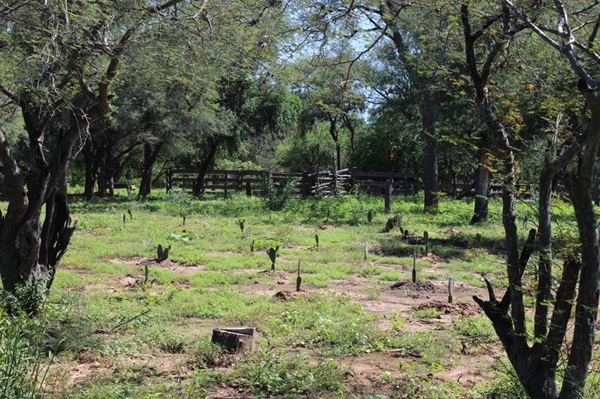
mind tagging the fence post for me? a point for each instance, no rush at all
(169, 180)
(389, 190)
(304, 185)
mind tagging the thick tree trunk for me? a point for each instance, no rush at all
(482, 190)
(150, 157)
(31, 249)
(430, 175)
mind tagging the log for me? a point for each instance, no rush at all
(235, 340)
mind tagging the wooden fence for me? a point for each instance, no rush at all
(307, 184)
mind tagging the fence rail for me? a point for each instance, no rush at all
(307, 184)
(322, 183)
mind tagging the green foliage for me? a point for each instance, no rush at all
(27, 297)
(23, 363)
(205, 354)
(293, 375)
(277, 195)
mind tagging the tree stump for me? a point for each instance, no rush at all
(235, 340)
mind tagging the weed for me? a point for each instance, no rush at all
(279, 373)
(206, 354)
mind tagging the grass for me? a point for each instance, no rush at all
(98, 309)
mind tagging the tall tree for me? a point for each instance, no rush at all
(537, 363)
(60, 59)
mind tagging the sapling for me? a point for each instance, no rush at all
(317, 239)
(298, 279)
(241, 223)
(252, 246)
(272, 252)
(414, 270)
(124, 219)
(450, 289)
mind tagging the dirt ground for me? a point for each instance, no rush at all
(368, 373)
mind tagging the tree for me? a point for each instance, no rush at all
(60, 59)
(536, 364)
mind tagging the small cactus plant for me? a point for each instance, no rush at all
(298, 279)
(450, 289)
(272, 252)
(162, 253)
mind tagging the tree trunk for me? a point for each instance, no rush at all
(430, 169)
(150, 157)
(206, 164)
(31, 249)
(482, 190)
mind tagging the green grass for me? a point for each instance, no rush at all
(209, 278)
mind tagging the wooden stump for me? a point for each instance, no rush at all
(235, 340)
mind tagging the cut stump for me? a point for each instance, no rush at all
(235, 340)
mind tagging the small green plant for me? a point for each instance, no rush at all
(241, 224)
(130, 214)
(23, 366)
(298, 279)
(162, 253)
(272, 252)
(252, 245)
(124, 218)
(317, 240)
(370, 216)
(144, 282)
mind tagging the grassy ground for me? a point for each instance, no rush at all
(122, 325)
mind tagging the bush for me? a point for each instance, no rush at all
(23, 367)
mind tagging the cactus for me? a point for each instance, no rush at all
(272, 252)
(298, 279)
(450, 289)
(317, 239)
(370, 216)
(414, 270)
(241, 223)
(162, 253)
(426, 239)
(366, 249)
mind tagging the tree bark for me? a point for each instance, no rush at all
(150, 156)
(206, 164)
(482, 190)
